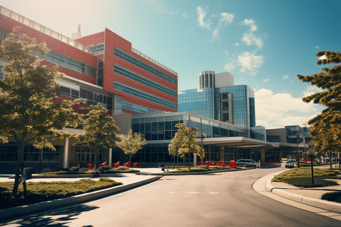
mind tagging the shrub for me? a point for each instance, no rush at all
(332, 196)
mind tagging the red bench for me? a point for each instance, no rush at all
(91, 165)
(78, 164)
(117, 164)
(207, 163)
(103, 164)
(233, 164)
(126, 164)
(198, 163)
(213, 163)
(221, 163)
(136, 164)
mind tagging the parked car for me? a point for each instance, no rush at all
(247, 163)
(291, 163)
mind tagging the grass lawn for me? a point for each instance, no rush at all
(199, 169)
(91, 171)
(44, 191)
(301, 177)
(303, 164)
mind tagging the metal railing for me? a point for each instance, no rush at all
(32, 24)
(152, 60)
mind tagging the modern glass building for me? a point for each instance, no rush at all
(218, 98)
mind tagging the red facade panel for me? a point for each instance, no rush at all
(52, 43)
(93, 39)
(70, 72)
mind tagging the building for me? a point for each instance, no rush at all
(100, 68)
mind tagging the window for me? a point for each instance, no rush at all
(83, 154)
(225, 117)
(225, 105)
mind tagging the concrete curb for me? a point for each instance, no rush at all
(42, 206)
(190, 173)
(319, 203)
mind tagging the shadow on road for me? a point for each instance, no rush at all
(270, 165)
(58, 218)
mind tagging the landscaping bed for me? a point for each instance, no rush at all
(301, 177)
(45, 191)
(94, 172)
(199, 169)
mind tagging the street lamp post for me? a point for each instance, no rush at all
(297, 137)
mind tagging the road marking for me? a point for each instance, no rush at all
(193, 192)
(214, 193)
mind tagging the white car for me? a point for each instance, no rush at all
(247, 163)
(291, 163)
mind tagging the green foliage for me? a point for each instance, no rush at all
(99, 130)
(326, 127)
(45, 191)
(27, 113)
(131, 143)
(199, 169)
(118, 170)
(302, 177)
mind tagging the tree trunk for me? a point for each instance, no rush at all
(330, 159)
(95, 161)
(21, 149)
(177, 160)
(189, 161)
(129, 161)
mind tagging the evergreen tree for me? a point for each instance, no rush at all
(131, 144)
(326, 127)
(99, 130)
(27, 113)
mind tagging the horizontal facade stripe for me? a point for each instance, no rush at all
(134, 92)
(120, 70)
(144, 66)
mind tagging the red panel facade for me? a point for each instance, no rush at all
(93, 39)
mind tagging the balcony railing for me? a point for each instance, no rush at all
(23, 20)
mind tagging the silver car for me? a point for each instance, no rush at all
(291, 163)
(247, 163)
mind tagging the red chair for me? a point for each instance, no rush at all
(117, 164)
(103, 164)
(207, 163)
(78, 164)
(213, 163)
(136, 164)
(198, 163)
(91, 165)
(126, 164)
(233, 164)
(221, 163)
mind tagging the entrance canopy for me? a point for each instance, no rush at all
(240, 142)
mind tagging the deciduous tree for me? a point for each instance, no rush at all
(174, 146)
(27, 113)
(99, 130)
(131, 143)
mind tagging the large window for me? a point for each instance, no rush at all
(100, 65)
(133, 76)
(98, 49)
(144, 66)
(140, 94)
(83, 154)
(136, 108)
(94, 97)
(68, 63)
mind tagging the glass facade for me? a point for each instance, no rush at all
(258, 133)
(138, 78)
(197, 101)
(135, 61)
(1, 73)
(137, 108)
(140, 94)
(100, 65)
(98, 49)
(68, 63)
(292, 130)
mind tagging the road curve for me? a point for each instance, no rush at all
(219, 199)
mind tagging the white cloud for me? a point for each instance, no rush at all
(311, 90)
(266, 80)
(249, 61)
(225, 19)
(316, 47)
(230, 65)
(236, 44)
(251, 22)
(171, 13)
(250, 39)
(184, 15)
(278, 110)
(285, 77)
(201, 16)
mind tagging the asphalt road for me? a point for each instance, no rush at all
(220, 199)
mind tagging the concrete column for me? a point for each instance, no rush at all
(66, 154)
(110, 157)
(233, 154)
(262, 155)
(194, 160)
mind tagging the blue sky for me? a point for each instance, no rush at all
(264, 44)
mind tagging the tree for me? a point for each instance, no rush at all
(131, 144)
(188, 145)
(174, 146)
(325, 129)
(99, 130)
(27, 113)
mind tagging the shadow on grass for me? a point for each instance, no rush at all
(57, 218)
